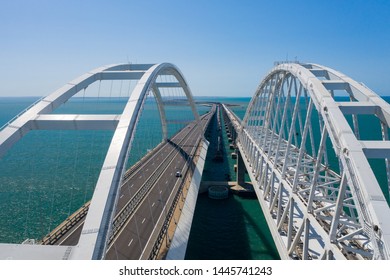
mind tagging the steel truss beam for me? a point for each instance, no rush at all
(309, 167)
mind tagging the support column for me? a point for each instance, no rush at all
(240, 169)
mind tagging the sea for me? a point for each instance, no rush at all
(48, 175)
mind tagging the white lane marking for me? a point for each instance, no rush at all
(131, 241)
(153, 204)
(131, 185)
(161, 191)
(143, 221)
(122, 195)
(147, 169)
(166, 182)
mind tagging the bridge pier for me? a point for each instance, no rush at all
(240, 170)
(232, 125)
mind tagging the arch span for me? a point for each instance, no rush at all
(98, 221)
(303, 139)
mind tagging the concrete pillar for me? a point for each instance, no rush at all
(240, 170)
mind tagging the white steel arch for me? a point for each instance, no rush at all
(321, 201)
(98, 221)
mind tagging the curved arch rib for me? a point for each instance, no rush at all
(98, 221)
(310, 219)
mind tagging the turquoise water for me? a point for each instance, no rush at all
(46, 176)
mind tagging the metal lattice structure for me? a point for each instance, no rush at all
(98, 221)
(310, 167)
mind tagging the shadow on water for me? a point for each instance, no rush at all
(215, 168)
(230, 229)
(225, 230)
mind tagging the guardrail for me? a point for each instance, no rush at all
(65, 226)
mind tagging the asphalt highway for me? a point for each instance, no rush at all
(173, 157)
(145, 192)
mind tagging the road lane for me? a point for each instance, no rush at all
(164, 186)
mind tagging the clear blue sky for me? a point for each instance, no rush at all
(223, 48)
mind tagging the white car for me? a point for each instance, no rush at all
(178, 174)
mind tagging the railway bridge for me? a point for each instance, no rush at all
(307, 139)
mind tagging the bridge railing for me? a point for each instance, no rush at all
(65, 226)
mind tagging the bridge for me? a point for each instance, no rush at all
(302, 142)
(147, 198)
(303, 145)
